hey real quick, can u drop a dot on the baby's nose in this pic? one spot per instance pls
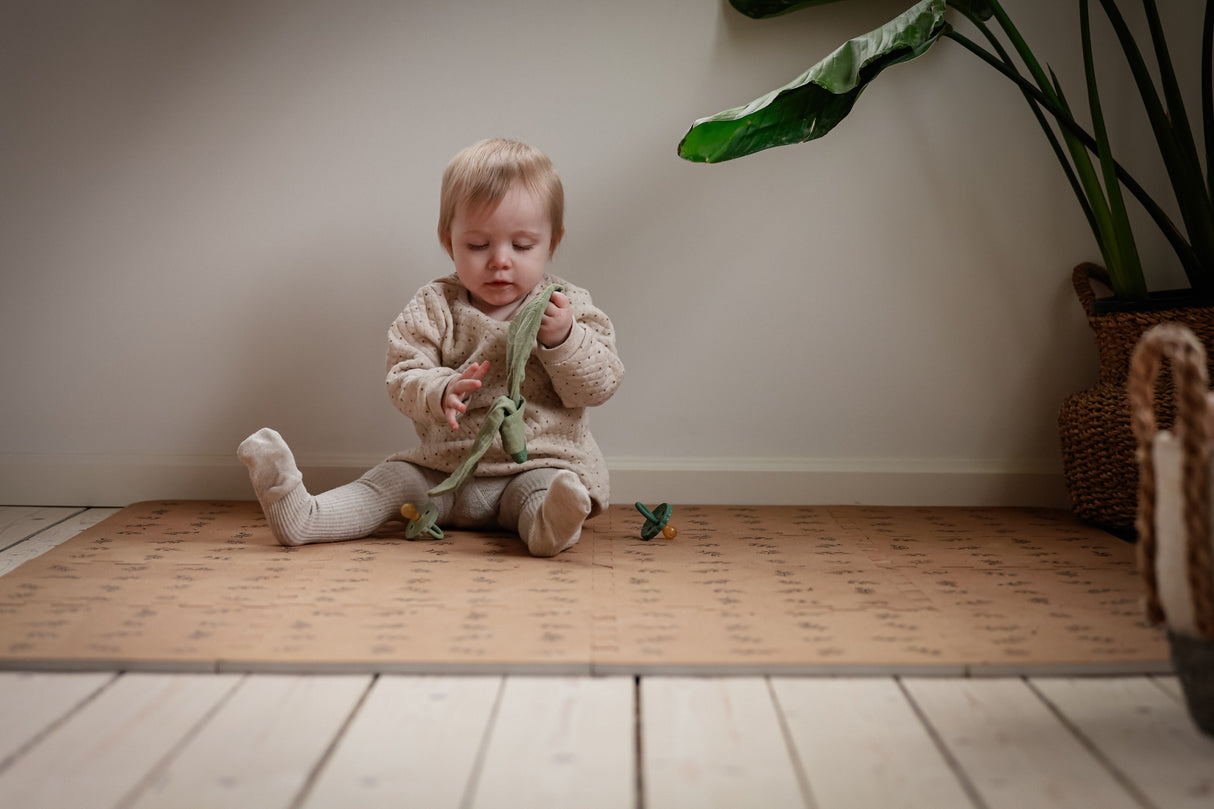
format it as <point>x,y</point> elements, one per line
<point>500,257</point>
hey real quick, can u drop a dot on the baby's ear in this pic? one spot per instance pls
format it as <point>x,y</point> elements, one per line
<point>556,240</point>
<point>445,240</point>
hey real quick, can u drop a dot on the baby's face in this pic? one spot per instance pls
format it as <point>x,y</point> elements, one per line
<point>500,254</point>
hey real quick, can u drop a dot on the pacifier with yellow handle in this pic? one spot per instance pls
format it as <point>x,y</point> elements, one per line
<point>421,522</point>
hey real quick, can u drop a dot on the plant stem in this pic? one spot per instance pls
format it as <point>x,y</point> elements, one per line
<point>1207,91</point>
<point>1185,175</point>
<point>1127,274</point>
<point>1171,88</point>
<point>1175,238</point>
<point>1104,228</point>
<point>1022,49</point>
<point>1080,195</point>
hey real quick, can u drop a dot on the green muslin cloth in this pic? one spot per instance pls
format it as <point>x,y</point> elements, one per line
<point>506,415</point>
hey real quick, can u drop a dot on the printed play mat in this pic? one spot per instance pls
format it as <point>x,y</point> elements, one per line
<point>197,585</point>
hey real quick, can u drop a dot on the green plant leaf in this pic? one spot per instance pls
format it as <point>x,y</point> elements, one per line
<point>813,103</point>
<point>762,9</point>
<point>973,8</point>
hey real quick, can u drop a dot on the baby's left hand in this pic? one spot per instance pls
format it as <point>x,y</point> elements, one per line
<point>556,322</point>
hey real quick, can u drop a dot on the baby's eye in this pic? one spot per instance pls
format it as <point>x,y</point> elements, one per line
<point>523,247</point>
<point>477,246</point>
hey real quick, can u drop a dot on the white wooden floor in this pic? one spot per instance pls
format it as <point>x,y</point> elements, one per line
<point>224,740</point>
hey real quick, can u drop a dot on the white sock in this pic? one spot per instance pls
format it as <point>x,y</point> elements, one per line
<point>554,524</point>
<point>272,468</point>
<point>277,482</point>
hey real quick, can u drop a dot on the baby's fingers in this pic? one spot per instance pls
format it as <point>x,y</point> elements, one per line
<point>463,388</point>
<point>452,408</point>
<point>477,371</point>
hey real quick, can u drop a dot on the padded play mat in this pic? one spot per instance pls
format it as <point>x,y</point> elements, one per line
<point>194,585</point>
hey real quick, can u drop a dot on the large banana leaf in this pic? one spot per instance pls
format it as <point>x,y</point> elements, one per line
<point>762,9</point>
<point>813,103</point>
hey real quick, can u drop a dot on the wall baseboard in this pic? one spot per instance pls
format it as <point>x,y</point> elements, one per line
<point>878,481</point>
<point>117,480</point>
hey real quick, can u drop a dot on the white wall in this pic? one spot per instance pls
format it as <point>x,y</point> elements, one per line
<point>213,210</point>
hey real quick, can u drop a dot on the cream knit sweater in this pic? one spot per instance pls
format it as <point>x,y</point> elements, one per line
<point>440,333</point>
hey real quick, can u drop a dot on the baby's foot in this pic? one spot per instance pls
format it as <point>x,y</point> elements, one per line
<point>272,468</point>
<point>558,523</point>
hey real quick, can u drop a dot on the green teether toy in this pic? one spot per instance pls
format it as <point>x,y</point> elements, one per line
<point>657,522</point>
<point>506,415</point>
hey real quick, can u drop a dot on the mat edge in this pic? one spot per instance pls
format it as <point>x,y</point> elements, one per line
<point>417,668</point>
<point>71,479</point>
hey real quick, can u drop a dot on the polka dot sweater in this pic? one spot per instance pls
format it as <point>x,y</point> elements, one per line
<point>440,333</point>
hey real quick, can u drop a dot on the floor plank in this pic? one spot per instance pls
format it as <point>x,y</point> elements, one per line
<point>48,535</point>
<point>559,742</point>
<point>31,703</point>
<point>11,514</point>
<point>102,751</point>
<point>1170,684</point>
<point>1143,732</point>
<point>413,743</point>
<point>1013,748</point>
<point>861,745</point>
<point>18,523</point>
<point>714,743</point>
<point>260,748</point>
<point>165,740</point>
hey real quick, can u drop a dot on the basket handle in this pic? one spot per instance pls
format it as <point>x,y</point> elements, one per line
<point>1191,381</point>
<point>1082,277</point>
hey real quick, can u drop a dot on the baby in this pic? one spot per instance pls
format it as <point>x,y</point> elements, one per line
<point>500,220</point>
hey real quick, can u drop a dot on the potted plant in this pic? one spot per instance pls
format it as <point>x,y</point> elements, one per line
<point>1097,443</point>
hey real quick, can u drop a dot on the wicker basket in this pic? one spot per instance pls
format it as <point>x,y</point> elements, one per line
<point>1094,424</point>
<point>1176,544</point>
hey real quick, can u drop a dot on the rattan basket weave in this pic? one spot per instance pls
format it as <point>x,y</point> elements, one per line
<point>1094,424</point>
<point>1180,591</point>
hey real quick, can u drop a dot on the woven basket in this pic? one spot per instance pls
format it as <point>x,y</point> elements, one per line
<point>1094,425</point>
<point>1175,541</point>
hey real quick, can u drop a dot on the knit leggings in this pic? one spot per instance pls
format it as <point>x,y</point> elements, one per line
<point>359,508</point>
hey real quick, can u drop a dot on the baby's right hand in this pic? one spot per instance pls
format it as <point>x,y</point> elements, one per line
<point>459,389</point>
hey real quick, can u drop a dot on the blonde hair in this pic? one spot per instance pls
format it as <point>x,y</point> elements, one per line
<point>481,174</point>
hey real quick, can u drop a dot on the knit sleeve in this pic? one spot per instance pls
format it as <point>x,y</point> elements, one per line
<point>585,369</point>
<point>417,377</point>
